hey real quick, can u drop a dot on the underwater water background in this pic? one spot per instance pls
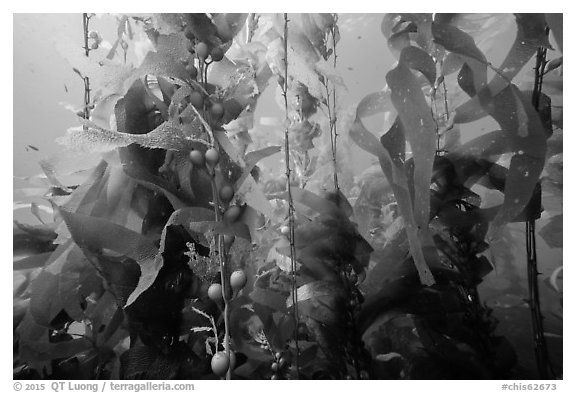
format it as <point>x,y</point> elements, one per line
<point>44,84</point>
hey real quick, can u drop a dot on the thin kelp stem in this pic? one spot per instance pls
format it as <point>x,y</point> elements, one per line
<point>331,104</point>
<point>219,239</point>
<point>290,201</point>
<point>540,347</point>
<point>86,22</point>
<point>333,118</point>
<point>224,273</point>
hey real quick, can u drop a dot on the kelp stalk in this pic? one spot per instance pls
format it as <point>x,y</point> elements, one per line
<point>332,110</point>
<point>86,22</point>
<point>290,200</point>
<point>540,347</point>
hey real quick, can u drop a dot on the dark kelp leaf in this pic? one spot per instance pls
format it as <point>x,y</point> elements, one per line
<point>469,111</point>
<point>25,244</point>
<point>229,148</point>
<point>552,232</point>
<point>403,24</point>
<point>489,144</point>
<point>311,265</point>
<point>121,275</point>
<point>137,361</point>
<point>395,142</point>
<point>531,34</point>
<point>253,157</point>
<point>234,229</point>
<point>367,141</point>
<point>35,348</point>
<point>452,62</point>
<point>62,285</point>
<point>301,45</point>
<point>229,24</point>
<point>183,168</point>
<point>417,59</point>
<point>317,289</point>
<point>524,131</point>
<point>328,248</point>
<point>374,103</point>
<point>424,36</point>
<point>419,127</point>
<point>238,229</point>
<point>45,302</point>
<point>487,29</point>
<point>269,298</point>
<point>158,184</point>
<point>283,331</point>
<point>524,135</point>
<point>83,198</point>
<point>254,221</point>
<point>315,203</point>
<point>247,326</point>
<point>163,62</point>
<point>77,280</point>
<point>322,301</point>
<point>398,42</point>
<point>523,176</point>
<point>456,218</point>
<point>118,197</point>
<point>389,22</point>
<point>341,201</point>
<point>315,34</point>
<point>31,262</point>
<point>97,234</point>
<point>105,314</point>
<point>251,193</point>
<point>391,264</point>
<point>183,217</point>
<point>308,233</point>
<point>166,88</point>
<point>456,41</point>
<point>466,80</point>
<point>169,135</point>
<point>396,176</point>
<point>202,27</point>
<point>473,76</point>
<point>527,136</point>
